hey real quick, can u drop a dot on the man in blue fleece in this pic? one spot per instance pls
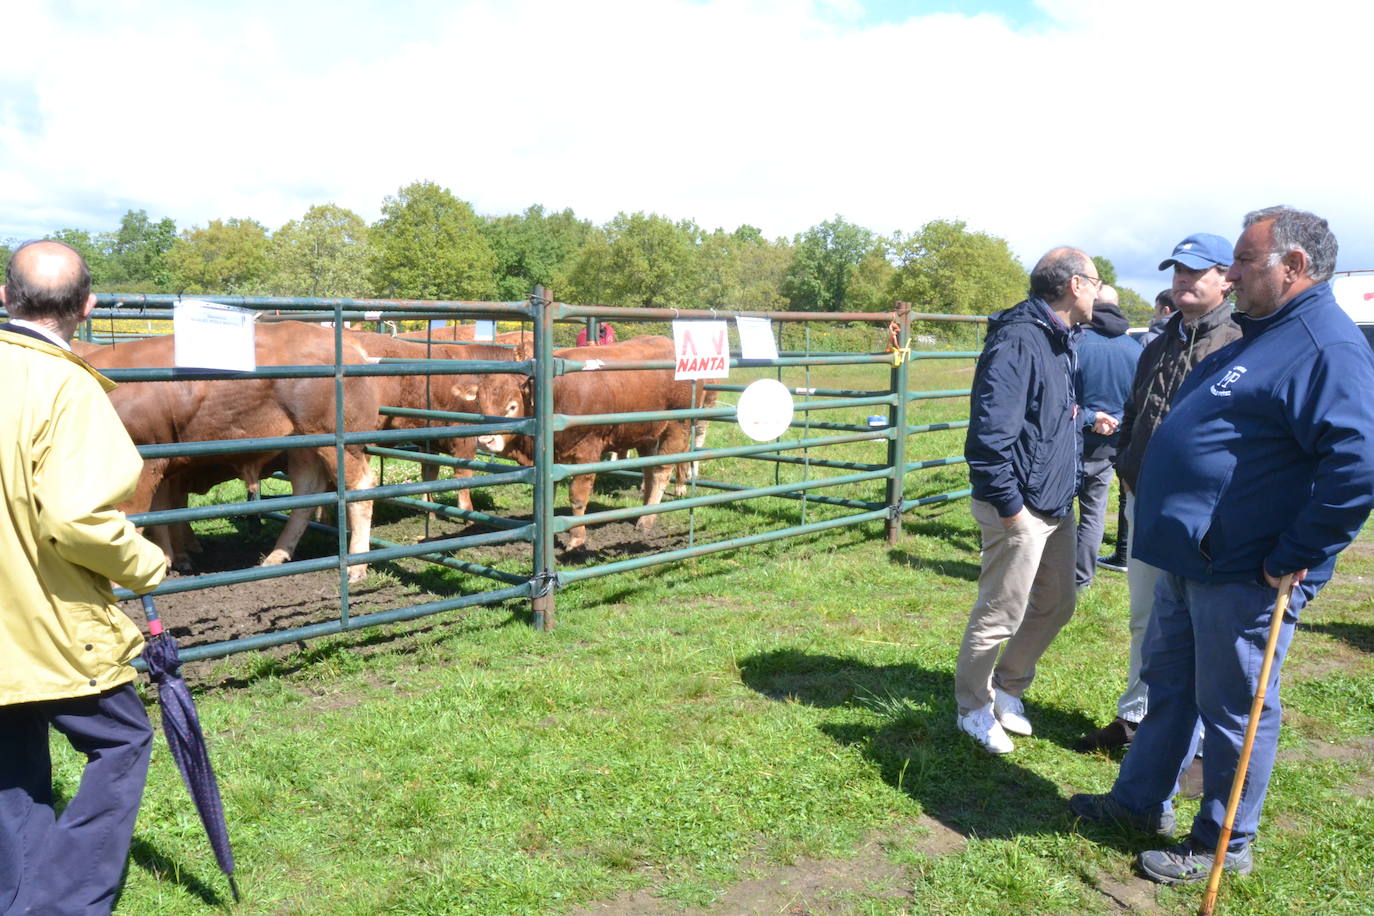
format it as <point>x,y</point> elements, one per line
<point>1106,364</point>
<point>1023,449</point>
<point>1264,467</point>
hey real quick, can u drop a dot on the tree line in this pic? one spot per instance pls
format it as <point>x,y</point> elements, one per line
<point>430,244</point>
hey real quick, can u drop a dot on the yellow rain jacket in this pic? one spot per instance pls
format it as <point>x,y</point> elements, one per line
<point>65,461</point>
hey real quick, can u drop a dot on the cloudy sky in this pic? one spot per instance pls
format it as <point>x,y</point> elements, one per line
<point>1116,127</point>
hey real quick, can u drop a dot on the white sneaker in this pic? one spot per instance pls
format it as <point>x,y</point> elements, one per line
<point>981,726</point>
<point>1011,712</point>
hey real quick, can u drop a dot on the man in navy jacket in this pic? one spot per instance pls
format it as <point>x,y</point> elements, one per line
<point>1023,450</point>
<point>1263,468</point>
<point>1106,364</point>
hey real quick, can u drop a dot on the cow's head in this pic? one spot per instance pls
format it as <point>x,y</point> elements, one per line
<point>508,397</point>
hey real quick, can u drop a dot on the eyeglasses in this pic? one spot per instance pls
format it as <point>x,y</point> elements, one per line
<point>1095,281</point>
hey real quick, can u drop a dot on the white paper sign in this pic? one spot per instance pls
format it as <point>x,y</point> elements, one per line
<point>765,409</point>
<point>756,338</point>
<point>1355,294</point>
<point>486,330</point>
<point>702,349</point>
<point>213,336</point>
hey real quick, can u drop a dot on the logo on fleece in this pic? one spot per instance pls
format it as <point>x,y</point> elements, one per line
<point>1222,388</point>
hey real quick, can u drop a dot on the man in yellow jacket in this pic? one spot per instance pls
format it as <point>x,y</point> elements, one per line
<point>65,645</point>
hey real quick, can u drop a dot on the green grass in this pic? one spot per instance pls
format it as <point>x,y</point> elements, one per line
<point>689,727</point>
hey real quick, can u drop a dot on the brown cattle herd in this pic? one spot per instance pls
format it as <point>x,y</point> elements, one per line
<point>199,409</point>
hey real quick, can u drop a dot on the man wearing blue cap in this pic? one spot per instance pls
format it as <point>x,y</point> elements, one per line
<point>1261,474</point>
<point>1201,324</point>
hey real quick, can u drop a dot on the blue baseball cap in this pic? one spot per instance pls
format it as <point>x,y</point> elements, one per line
<point>1199,251</point>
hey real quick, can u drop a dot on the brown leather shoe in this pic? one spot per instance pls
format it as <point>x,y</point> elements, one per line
<point>1190,783</point>
<point>1115,734</point>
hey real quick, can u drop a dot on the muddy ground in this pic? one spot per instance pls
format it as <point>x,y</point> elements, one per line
<point>222,613</point>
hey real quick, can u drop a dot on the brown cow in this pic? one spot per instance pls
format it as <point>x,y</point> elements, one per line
<point>199,410</point>
<point>602,391</point>
<point>444,392</point>
<point>522,340</point>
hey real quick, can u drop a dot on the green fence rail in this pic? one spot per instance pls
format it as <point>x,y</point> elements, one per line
<point>544,577</point>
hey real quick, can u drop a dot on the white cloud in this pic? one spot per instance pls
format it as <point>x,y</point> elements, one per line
<point>1120,128</point>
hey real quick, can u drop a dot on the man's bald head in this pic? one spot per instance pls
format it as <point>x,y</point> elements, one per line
<point>1050,277</point>
<point>46,281</point>
<point>1107,294</point>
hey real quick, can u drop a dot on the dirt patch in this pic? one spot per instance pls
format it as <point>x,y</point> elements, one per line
<point>1136,895</point>
<point>809,886</point>
<point>245,609</point>
<point>939,840</point>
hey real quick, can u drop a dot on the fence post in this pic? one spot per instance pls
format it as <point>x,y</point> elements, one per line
<point>545,576</point>
<point>897,423</point>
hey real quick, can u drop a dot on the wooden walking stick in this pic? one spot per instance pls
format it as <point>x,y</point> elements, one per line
<point>1219,854</point>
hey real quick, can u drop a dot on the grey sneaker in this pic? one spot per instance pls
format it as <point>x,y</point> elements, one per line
<point>1104,809</point>
<point>1189,862</point>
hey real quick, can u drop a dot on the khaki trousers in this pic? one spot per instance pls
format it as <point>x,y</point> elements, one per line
<point>1025,596</point>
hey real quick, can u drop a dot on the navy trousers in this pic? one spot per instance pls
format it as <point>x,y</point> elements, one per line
<point>1204,648</point>
<point>70,864</point>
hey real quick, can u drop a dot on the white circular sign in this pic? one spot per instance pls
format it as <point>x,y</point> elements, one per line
<point>765,409</point>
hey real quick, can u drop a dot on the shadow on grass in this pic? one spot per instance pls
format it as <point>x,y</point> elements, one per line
<point>1356,635</point>
<point>958,569</point>
<point>919,750</point>
<point>403,638</point>
<point>161,866</point>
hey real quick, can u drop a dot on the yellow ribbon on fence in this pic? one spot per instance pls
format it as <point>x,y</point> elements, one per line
<point>900,353</point>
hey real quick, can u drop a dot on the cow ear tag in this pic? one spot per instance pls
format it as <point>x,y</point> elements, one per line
<point>765,410</point>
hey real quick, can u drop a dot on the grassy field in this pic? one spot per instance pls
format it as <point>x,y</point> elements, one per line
<point>768,730</point>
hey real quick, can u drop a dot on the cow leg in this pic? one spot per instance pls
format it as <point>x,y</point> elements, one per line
<point>465,448</point>
<point>683,473</point>
<point>673,442</point>
<point>180,540</point>
<point>464,496</point>
<point>252,486</point>
<point>655,482</point>
<point>163,535</point>
<point>579,494</point>
<point>430,473</point>
<point>307,476</point>
<point>146,495</point>
<point>359,476</point>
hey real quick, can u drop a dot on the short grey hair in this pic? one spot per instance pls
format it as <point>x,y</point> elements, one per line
<point>1298,230</point>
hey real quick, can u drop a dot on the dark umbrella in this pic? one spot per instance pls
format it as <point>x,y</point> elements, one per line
<point>181,725</point>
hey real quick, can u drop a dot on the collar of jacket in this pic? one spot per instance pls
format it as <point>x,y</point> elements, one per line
<point>1037,311</point>
<point>1250,328</point>
<point>42,346</point>
<point>1204,325</point>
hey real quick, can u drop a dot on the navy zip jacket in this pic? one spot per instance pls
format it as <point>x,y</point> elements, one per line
<point>1106,365</point>
<point>1024,446</point>
<point>1266,459</point>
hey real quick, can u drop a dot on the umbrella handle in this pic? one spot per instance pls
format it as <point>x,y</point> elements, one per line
<point>154,622</point>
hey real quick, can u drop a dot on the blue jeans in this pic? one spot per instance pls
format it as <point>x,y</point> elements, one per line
<point>1093,492</point>
<point>1203,651</point>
